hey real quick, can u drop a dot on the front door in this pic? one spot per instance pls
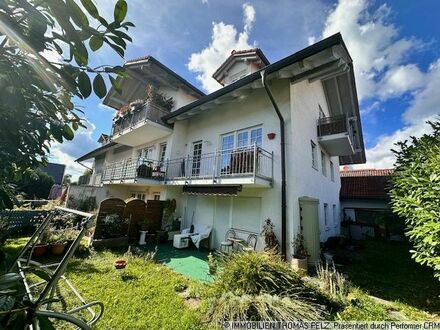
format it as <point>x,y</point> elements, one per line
<point>310,227</point>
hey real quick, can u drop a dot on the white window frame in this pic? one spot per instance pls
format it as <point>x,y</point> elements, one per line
<point>236,133</point>
<point>139,195</point>
<point>332,171</point>
<point>323,163</point>
<point>156,196</point>
<point>142,151</point>
<point>314,150</point>
<point>162,152</point>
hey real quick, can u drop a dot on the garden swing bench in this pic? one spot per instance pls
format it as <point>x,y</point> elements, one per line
<point>43,293</point>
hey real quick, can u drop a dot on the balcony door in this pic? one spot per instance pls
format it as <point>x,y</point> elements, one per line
<point>196,158</point>
<point>146,153</point>
<point>238,141</point>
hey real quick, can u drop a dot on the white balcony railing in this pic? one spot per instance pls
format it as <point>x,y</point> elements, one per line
<point>243,162</point>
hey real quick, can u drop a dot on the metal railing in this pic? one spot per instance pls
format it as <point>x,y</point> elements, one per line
<point>148,112</point>
<point>133,168</point>
<point>251,161</point>
<point>332,125</point>
<point>239,162</point>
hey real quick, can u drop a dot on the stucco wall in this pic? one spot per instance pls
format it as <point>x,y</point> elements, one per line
<point>303,179</point>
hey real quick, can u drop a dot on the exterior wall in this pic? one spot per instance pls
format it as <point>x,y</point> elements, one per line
<point>302,178</point>
<point>348,206</point>
<point>78,193</point>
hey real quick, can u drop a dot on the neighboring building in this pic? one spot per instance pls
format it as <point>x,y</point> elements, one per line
<point>56,171</point>
<point>364,198</point>
<point>220,155</point>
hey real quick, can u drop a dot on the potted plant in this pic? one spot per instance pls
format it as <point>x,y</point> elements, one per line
<point>57,243</point>
<point>41,248</point>
<point>300,254</point>
<point>270,239</point>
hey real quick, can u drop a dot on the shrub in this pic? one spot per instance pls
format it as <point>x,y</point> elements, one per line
<point>260,286</point>
<point>415,195</point>
<point>262,307</point>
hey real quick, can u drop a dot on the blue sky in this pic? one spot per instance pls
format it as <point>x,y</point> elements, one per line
<point>394,45</point>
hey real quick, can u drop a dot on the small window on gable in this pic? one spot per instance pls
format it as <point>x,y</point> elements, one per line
<point>323,164</point>
<point>314,155</point>
<point>332,171</point>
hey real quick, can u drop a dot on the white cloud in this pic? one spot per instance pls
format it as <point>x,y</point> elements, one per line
<point>68,151</point>
<point>372,41</point>
<point>400,80</point>
<point>380,56</point>
<point>224,40</point>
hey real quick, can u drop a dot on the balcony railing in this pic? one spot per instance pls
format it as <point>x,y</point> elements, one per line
<point>148,112</point>
<point>246,162</point>
<point>332,125</point>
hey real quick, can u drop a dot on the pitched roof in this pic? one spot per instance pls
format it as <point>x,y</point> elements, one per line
<point>365,184</point>
<point>238,53</point>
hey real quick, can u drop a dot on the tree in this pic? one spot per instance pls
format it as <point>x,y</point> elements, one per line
<point>36,105</point>
<point>35,184</point>
<point>415,195</point>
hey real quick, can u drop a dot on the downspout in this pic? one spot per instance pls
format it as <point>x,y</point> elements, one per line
<point>283,167</point>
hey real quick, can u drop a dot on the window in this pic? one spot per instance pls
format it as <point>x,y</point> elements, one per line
<point>326,214</point>
<point>197,157</point>
<point>156,196</point>
<point>332,171</point>
<point>138,195</point>
<point>146,153</point>
<point>334,215</point>
<point>314,156</point>
<point>323,164</point>
<point>162,151</point>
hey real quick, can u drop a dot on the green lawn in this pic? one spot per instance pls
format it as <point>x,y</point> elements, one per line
<point>143,296</point>
<point>385,270</point>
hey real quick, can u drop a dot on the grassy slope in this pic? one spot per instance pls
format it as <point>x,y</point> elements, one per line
<point>386,270</point>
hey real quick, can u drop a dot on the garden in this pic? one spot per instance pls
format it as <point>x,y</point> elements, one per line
<point>245,285</point>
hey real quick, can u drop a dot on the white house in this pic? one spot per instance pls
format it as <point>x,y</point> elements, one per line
<point>268,144</point>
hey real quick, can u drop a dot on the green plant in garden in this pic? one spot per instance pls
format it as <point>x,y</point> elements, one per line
<point>45,48</point>
<point>415,194</point>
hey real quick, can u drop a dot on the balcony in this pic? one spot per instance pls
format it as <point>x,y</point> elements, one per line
<point>142,124</point>
<point>249,165</point>
<point>335,134</point>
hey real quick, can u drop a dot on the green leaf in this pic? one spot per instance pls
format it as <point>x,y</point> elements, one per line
<point>91,8</point>
<point>84,85</point>
<point>99,86</point>
<point>67,132</point>
<point>116,85</point>
<point>120,10</point>
<point>77,14</point>
<point>80,53</point>
<point>95,43</point>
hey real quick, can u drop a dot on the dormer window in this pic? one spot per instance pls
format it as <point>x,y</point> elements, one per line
<point>240,64</point>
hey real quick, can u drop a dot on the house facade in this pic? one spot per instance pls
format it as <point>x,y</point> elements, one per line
<point>268,144</point>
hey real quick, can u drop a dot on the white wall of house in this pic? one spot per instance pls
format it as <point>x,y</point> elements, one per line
<point>303,178</point>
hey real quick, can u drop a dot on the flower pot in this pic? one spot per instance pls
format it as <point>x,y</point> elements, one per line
<point>57,249</point>
<point>120,264</point>
<point>299,264</point>
<point>39,250</point>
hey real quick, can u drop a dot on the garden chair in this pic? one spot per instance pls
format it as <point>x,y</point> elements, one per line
<point>227,245</point>
<point>42,282</point>
<point>251,243</point>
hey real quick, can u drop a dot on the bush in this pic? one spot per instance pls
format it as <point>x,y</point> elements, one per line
<point>262,307</point>
<point>415,195</point>
<point>260,286</point>
<point>332,282</point>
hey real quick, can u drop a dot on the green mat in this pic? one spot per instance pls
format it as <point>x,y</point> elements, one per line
<point>189,262</point>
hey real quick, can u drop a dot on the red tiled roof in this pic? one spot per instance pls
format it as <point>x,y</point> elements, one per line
<point>365,184</point>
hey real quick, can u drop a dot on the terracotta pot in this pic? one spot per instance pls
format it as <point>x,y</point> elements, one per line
<point>120,264</point>
<point>271,136</point>
<point>299,264</point>
<point>57,249</point>
<point>39,250</point>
